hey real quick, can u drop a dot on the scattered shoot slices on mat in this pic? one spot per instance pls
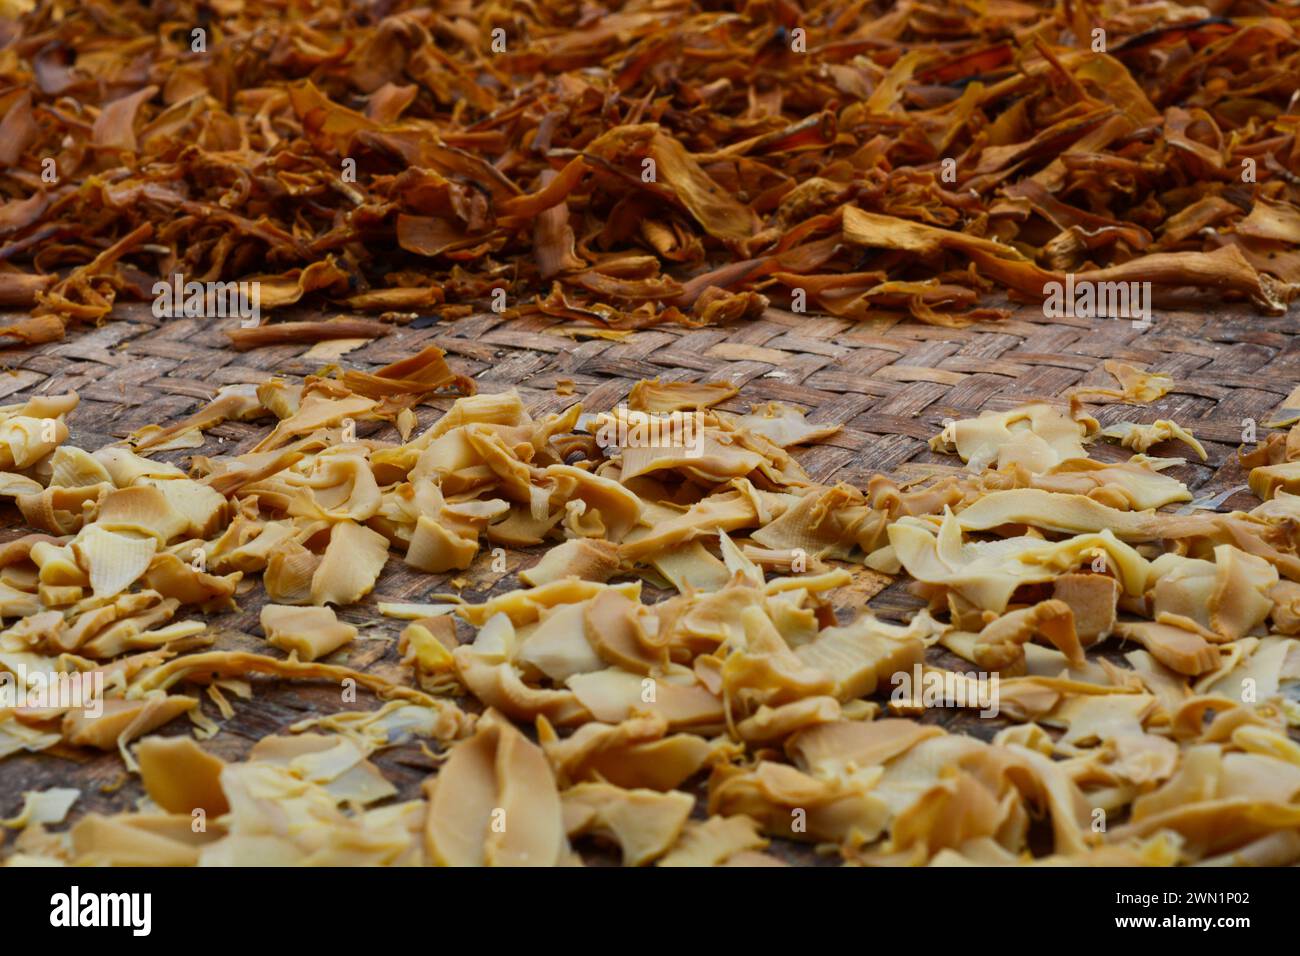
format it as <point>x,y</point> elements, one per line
<point>802,720</point>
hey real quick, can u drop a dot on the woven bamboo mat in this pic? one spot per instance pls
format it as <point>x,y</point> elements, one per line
<point>889,385</point>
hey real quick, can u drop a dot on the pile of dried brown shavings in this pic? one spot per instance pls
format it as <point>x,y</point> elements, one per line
<point>650,161</point>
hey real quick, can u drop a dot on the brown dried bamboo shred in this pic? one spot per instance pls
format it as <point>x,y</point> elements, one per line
<point>431,164</point>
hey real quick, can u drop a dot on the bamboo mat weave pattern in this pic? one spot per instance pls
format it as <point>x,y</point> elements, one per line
<point>890,386</point>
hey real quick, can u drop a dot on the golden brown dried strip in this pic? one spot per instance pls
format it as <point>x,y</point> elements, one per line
<point>289,333</point>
